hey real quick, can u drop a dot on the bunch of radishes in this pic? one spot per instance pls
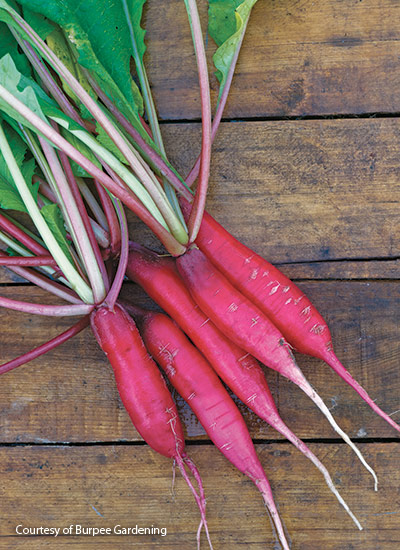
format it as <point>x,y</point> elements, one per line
<point>74,148</point>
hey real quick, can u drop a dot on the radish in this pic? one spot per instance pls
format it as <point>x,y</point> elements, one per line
<point>143,391</point>
<point>278,297</point>
<point>53,131</point>
<point>239,370</point>
<point>197,383</point>
<point>248,327</point>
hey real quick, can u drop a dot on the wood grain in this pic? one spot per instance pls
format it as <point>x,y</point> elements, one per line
<point>300,191</point>
<point>303,191</point>
<point>319,197</point>
<point>102,486</point>
<point>298,58</point>
<point>69,395</point>
<point>361,269</point>
<point>322,269</point>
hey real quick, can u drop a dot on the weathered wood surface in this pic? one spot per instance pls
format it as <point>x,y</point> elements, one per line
<point>323,269</point>
<point>359,269</point>
<point>69,395</point>
<point>298,58</point>
<point>324,198</point>
<point>104,486</point>
<point>301,191</point>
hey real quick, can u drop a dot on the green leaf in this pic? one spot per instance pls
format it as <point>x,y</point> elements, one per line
<point>135,9</point>
<point>9,45</point>
<point>10,78</point>
<point>222,19</point>
<point>39,23</point>
<point>227,23</point>
<point>28,169</point>
<point>19,84</point>
<point>59,45</point>
<point>26,81</point>
<point>7,10</point>
<point>53,216</point>
<point>9,196</point>
<point>99,33</point>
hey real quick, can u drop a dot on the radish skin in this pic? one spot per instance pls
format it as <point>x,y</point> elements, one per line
<point>248,327</point>
<point>197,383</point>
<point>143,390</point>
<point>239,370</point>
<point>277,297</point>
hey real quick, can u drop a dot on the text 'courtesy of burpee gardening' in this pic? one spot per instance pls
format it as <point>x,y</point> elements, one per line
<point>81,530</point>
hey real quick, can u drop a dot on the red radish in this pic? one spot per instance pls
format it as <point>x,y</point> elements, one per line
<point>278,297</point>
<point>143,390</point>
<point>240,371</point>
<point>197,383</point>
<point>248,327</point>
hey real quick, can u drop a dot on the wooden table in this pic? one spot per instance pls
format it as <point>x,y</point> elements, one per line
<point>305,170</point>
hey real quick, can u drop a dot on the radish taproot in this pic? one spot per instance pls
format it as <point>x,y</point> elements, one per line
<point>249,328</point>
<point>277,297</point>
<point>195,380</point>
<point>240,371</point>
<point>143,391</point>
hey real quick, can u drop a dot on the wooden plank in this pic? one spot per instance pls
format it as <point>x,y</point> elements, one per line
<point>104,486</point>
<point>7,276</point>
<point>69,395</point>
<point>357,314</point>
<point>325,270</point>
<point>300,191</point>
<point>298,58</point>
<point>373,269</point>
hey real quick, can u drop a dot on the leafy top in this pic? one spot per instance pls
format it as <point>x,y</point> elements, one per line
<point>227,24</point>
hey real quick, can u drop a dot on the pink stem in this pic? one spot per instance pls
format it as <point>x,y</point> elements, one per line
<point>154,157</point>
<point>112,218</point>
<point>111,130</point>
<point>123,259</point>
<point>160,232</point>
<point>93,205</point>
<point>171,244</point>
<point>65,186</point>
<point>145,126</point>
<point>44,348</point>
<point>194,172</point>
<point>45,189</point>
<point>44,309</point>
<point>28,261</point>
<point>84,215</point>
<point>51,86</point>
<point>45,283</point>
<point>101,235</point>
<point>199,203</point>
<point>22,237</point>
